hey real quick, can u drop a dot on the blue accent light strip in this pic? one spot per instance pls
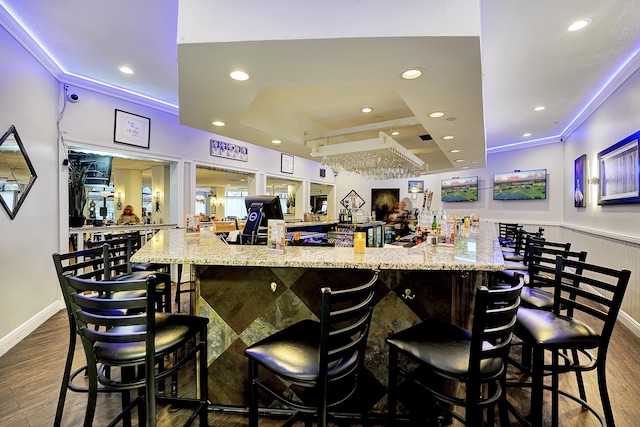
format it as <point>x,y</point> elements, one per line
<point>605,86</point>
<point>585,111</point>
<point>547,139</point>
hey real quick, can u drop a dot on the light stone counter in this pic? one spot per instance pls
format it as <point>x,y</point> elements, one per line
<point>480,252</point>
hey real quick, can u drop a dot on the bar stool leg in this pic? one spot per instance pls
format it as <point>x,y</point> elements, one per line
<point>178,286</point>
<point>392,386</point>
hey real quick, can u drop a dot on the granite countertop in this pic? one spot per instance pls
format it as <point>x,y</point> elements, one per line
<point>480,251</point>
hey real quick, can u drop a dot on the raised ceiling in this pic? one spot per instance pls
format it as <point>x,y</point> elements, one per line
<point>527,57</point>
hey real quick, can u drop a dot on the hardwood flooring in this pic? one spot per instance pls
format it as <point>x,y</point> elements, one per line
<point>30,375</point>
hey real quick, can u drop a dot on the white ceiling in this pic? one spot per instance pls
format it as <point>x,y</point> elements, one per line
<point>527,59</point>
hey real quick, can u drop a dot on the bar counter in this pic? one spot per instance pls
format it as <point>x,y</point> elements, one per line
<point>249,293</point>
<point>479,252</point>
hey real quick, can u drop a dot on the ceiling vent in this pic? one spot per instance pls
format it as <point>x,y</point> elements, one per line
<point>426,137</point>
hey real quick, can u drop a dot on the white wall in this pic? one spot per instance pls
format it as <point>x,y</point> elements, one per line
<point>612,122</point>
<point>89,124</point>
<point>547,211</point>
<point>28,285</point>
<point>611,233</point>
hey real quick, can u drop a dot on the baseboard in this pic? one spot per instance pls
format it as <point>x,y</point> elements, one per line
<point>14,337</point>
<point>630,323</point>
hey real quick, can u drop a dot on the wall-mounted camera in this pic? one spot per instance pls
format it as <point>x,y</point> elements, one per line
<point>73,97</point>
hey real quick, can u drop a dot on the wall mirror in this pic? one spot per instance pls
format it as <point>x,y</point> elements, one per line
<point>16,172</point>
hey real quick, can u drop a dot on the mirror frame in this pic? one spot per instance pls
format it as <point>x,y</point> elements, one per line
<point>34,176</point>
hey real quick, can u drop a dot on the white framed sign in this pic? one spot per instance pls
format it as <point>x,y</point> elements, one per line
<point>286,163</point>
<point>131,129</point>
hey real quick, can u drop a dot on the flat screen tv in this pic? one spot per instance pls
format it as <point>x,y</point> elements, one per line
<point>520,185</point>
<point>460,189</point>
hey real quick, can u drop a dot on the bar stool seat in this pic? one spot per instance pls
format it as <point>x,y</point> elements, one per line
<point>446,354</point>
<point>323,359</point>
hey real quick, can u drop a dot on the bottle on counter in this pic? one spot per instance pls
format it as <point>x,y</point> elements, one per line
<point>434,224</point>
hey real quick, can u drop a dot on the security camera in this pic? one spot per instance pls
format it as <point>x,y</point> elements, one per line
<point>73,97</point>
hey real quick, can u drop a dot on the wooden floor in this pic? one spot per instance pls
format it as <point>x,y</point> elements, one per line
<point>30,375</point>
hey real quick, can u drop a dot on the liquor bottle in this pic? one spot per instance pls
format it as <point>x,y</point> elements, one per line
<point>434,224</point>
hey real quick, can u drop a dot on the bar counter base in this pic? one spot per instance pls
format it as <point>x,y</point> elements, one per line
<point>246,304</point>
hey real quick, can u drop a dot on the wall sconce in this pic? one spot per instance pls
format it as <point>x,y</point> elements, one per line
<point>220,201</point>
<point>157,201</point>
<point>119,206</point>
<point>594,180</point>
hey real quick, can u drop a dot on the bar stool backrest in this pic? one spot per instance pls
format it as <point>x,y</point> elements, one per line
<point>594,291</point>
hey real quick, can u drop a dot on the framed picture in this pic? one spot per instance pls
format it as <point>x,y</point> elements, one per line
<point>352,201</point>
<point>228,151</point>
<point>416,186</point>
<point>383,200</point>
<point>286,163</point>
<point>579,193</point>
<point>618,171</point>
<point>132,129</point>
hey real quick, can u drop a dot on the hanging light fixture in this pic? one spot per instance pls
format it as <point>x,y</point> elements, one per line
<point>379,158</point>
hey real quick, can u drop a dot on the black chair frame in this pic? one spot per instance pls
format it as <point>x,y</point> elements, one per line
<point>135,342</point>
<point>596,292</point>
<point>339,340</point>
<point>97,263</point>
<point>483,367</point>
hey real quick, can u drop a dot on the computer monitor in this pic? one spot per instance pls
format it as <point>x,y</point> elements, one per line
<point>260,209</point>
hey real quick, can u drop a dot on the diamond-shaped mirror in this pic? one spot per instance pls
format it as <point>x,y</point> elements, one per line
<point>16,172</point>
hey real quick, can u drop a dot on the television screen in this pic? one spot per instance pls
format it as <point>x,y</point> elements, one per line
<point>520,185</point>
<point>460,189</point>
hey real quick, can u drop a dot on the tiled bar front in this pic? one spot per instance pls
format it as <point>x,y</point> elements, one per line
<point>249,293</point>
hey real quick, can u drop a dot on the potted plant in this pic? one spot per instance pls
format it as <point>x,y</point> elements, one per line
<point>77,193</point>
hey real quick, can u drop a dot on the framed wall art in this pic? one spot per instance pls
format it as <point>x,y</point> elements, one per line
<point>352,200</point>
<point>579,193</point>
<point>132,129</point>
<point>619,173</point>
<point>416,186</point>
<point>383,200</point>
<point>286,163</point>
<point>228,150</point>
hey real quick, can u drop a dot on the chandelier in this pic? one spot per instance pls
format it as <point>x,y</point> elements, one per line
<point>378,158</point>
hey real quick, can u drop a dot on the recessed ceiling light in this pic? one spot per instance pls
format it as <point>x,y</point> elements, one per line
<point>448,137</point>
<point>578,25</point>
<point>239,75</point>
<point>436,114</point>
<point>217,123</point>
<point>526,134</point>
<point>412,73</point>
<point>465,167</point>
<point>276,141</point>
<point>126,70</point>
<point>366,109</point>
<point>395,132</point>
<point>539,108</point>
<point>454,151</point>
<point>474,162</point>
<point>459,160</point>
